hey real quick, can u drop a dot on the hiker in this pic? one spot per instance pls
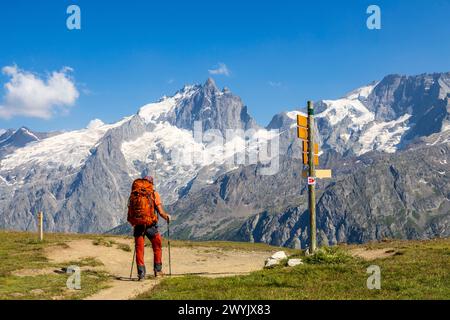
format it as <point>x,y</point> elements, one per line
<point>143,206</point>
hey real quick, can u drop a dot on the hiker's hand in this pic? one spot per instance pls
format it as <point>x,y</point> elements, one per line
<point>168,218</point>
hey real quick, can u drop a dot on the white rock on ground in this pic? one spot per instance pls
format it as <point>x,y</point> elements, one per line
<point>271,262</point>
<point>280,255</point>
<point>275,259</point>
<point>294,262</point>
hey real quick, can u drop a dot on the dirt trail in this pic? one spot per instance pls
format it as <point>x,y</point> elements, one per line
<point>204,261</point>
<point>372,254</point>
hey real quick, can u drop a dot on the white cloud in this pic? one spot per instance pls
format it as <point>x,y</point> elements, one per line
<point>221,69</point>
<point>29,95</point>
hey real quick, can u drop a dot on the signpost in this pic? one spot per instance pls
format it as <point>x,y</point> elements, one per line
<point>323,174</point>
<point>320,174</point>
<point>306,159</point>
<point>311,187</point>
<point>41,225</point>
<point>302,133</point>
<point>310,156</point>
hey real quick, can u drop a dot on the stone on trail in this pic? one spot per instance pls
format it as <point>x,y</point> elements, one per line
<point>275,259</point>
<point>280,255</point>
<point>271,262</point>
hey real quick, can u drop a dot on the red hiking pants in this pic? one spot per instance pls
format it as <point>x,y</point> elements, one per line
<point>155,238</point>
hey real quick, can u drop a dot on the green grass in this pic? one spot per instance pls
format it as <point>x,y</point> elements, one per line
<point>124,247</point>
<point>20,250</point>
<point>86,262</point>
<point>52,286</point>
<point>329,255</point>
<point>103,242</point>
<point>108,242</point>
<point>418,270</point>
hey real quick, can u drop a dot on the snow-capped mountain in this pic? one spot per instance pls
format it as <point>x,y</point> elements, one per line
<point>179,145</point>
<point>386,115</point>
<point>81,179</point>
<point>17,138</point>
<point>11,140</point>
<point>347,125</point>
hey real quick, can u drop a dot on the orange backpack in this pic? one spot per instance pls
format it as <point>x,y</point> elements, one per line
<point>141,204</point>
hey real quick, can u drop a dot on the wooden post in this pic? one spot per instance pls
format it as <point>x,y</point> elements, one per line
<point>41,225</point>
<point>311,173</point>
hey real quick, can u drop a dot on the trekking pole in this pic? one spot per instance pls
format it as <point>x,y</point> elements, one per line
<point>132,262</point>
<point>168,244</point>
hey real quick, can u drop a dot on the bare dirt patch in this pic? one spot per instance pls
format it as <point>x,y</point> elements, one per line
<point>203,261</point>
<point>372,254</point>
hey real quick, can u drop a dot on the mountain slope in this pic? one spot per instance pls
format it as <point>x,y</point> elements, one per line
<point>402,195</point>
<point>386,115</point>
<point>11,140</point>
<point>81,179</point>
<point>204,150</point>
<point>374,196</point>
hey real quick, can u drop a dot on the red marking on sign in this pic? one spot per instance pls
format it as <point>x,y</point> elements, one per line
<point>311,181</point>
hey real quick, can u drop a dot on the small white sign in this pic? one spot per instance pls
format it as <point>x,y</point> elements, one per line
<point>311,181</point>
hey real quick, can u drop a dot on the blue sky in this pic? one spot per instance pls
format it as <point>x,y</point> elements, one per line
<point>279,53</point>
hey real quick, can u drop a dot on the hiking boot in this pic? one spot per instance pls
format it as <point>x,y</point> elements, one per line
<point>159,274</point>
<point>157,269</point>
<point>141,272</point>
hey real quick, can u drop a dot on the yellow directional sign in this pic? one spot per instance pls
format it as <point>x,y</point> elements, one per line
<point>320,174</point>
<point>323,174</point>
<point>305,147</point>
<point>302,121</point>
<point>302,133</point>
<point>305,159</point>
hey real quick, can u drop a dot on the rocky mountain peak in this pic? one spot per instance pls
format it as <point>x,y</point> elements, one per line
<point>216,109</point>
<point>21,137</point>
<point>210,84</point>
<point>5,134</point>
<point>397,95</point>
<point>14,139</point>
